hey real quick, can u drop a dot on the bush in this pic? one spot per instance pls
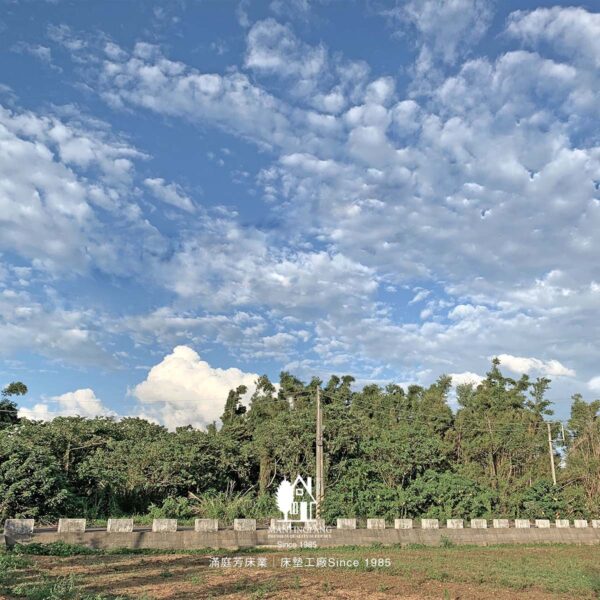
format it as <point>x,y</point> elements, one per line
<point>545,500</point>
<point>172,508</point>
<point>447,495</point>
<point>433,495</point>
<point>229,506</point>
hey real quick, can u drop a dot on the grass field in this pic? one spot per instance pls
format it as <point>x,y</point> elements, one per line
<point>60,572</point>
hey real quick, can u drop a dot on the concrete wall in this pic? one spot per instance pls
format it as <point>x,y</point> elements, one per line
<point>231,539</point>
<point>165,534</point>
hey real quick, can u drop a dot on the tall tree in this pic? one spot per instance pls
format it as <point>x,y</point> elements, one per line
<point>8,408</point>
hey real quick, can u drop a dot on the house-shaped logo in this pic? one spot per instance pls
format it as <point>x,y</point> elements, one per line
<point>296,500</point>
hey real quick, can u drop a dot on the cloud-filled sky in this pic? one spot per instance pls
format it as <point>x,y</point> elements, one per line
<point>193,193</point>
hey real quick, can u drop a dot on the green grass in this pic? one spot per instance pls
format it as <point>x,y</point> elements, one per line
<point>59,548</point>
<point>554,569</point>
<point>14,567</point>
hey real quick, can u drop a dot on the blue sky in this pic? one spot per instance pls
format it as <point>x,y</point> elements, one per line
<point>193,193</point>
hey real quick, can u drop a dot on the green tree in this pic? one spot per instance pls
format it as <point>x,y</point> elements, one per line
<point>583,450</point>
<point>8,407</point>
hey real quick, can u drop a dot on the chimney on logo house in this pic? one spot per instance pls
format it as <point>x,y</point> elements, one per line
<point>309,484</point>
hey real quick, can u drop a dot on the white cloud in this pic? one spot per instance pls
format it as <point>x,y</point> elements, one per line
<point>82,403</point>
<point>291,8</point>
<point>35,323</point>
<point>42,53</point>
<point>521,364</point>
<point>445,32</point>
<point>466,377</point>
<point>573,31</point>
<point>225,265</point>
<point>420,296</point>
<point>171,193</point>
<point>184,389</point>
<point>149,80</point>
<point>490,143</point>
<point>51,209</point>
<point>594,384</point>
<point>447,27</point>
<point>486,186</point>
<point>273,48</point>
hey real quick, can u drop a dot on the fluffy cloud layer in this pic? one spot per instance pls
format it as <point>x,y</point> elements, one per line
<point>476,187</point>
<point>184,389</point>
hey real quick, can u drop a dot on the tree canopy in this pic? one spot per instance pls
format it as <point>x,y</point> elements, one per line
<point>389,452</point>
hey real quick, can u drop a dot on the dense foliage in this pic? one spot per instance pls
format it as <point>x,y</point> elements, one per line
<point>389,452</point>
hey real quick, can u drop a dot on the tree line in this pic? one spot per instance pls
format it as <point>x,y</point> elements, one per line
<point>389,452</point>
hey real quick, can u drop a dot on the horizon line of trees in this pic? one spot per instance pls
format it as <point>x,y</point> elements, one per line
<point>389,452</point>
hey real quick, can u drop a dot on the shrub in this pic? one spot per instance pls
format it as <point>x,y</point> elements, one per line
<point>172,508</point>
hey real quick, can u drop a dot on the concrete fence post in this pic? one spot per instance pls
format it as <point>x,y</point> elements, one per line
<point>164,525</point>
<point>206,525</point>
<point>281,525</point>
<point>119,526</point>
<point>500,524</point>
<point>346,523</point>
<point>403,523</point>
<point>580,523</point>
<point>542,523</point>
<point>18,527</point>
<point>454,523</point>
<point>375,523</point>
<point>596,523</point>
<point>479,524</point>
<point>244,524</point>
<point>522,523</point>
<point>562,523</point>
<point>430,524</point>
<point>71,525</point>
<point>315,526</point>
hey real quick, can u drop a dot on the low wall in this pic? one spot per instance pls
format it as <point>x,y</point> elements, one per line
<point>230,539</point>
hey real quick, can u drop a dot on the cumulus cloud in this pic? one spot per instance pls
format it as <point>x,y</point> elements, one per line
<point>34,323</point>
<point>273,48</point>
<point>594,384</point>
<point>521,364</point>
<point>171,193</point>
<point>573,31</point>
<point>447,28</point>
<point>224,264</point>
<point>420,296</point>
<point>183,389</point>
<point>465,378</point>
<point>444,32</point>
<point>42,53</point>
<point>483,187</point>
<point>49,204</point>
<point>413,190</point>
<point>82,403</point>
<point>148,79</point>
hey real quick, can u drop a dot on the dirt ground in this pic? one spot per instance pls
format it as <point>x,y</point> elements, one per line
<point>432,573</point>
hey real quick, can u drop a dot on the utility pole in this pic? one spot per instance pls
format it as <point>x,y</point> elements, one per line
<point>319,489</point>
<point>551,454</point>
